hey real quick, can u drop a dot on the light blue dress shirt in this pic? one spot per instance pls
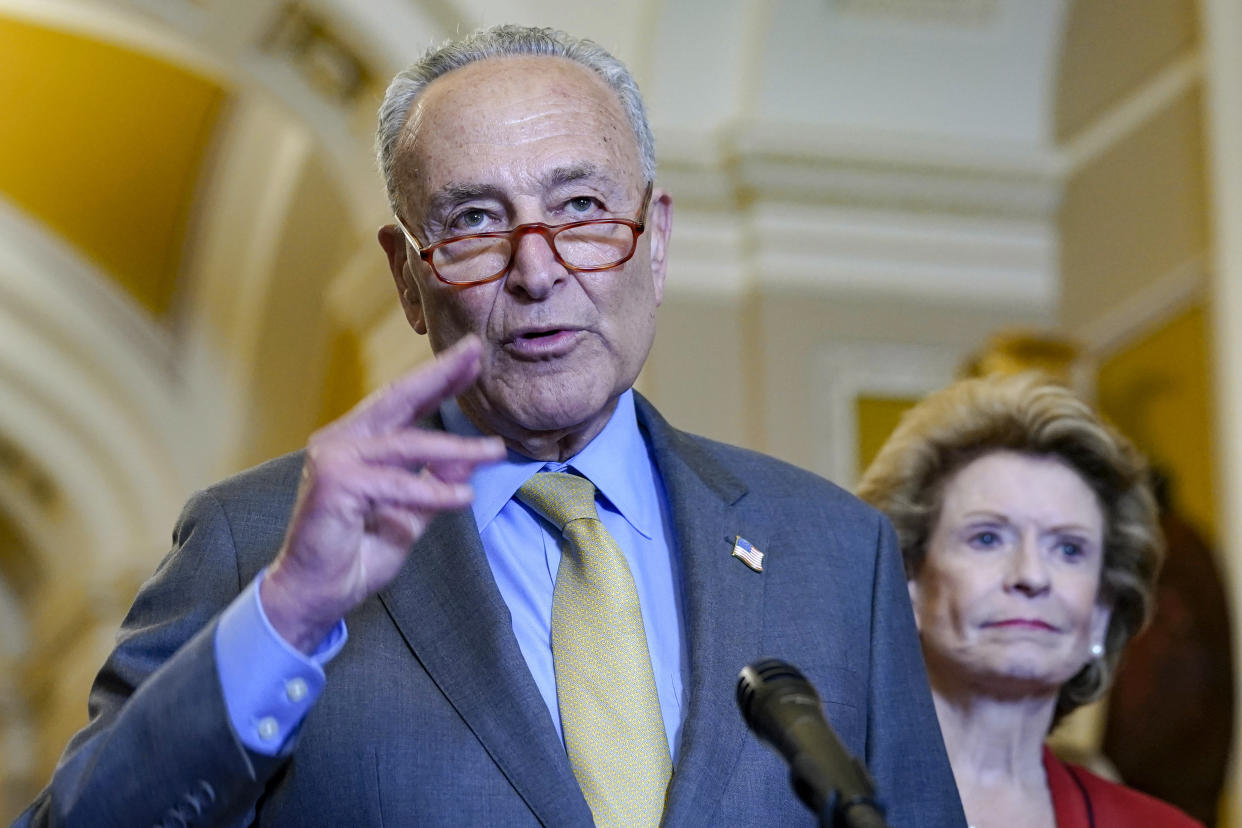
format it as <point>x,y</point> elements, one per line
<point>269,686</point>
<point>524,549</point>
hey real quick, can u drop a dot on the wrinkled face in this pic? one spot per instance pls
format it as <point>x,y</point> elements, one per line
<point>507,141</point>
<point>1005,600</point>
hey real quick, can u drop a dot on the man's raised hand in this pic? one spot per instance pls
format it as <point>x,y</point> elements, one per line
<point>371,483</point>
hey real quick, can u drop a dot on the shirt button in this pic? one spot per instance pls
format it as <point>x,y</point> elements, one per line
<point>296,689</point>
<point>268,729</point>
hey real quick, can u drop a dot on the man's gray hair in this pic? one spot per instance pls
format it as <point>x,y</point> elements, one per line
<point>504,41</point>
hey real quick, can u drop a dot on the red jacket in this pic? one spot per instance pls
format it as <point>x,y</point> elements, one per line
<point>1080,799</point>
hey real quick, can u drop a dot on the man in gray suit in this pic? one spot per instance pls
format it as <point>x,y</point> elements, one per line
<point>530,246</point>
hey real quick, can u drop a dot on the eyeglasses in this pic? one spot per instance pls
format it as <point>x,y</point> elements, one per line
<point>594,244</point>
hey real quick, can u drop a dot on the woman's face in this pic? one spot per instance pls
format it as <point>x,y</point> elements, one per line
<point>1005,600</point>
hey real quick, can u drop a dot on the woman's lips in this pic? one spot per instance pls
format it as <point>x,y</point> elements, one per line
<point>1022,624</point>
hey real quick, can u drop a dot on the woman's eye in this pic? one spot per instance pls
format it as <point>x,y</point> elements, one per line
<point>1071,549</point>
<point>985,539</point>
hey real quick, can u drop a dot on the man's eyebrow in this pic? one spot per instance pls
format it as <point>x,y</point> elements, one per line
<point>455,193</point>
<point>560,176</point>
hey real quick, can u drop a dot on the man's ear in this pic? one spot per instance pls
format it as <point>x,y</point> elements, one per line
<point>659,228</point>
<point>393,241</point>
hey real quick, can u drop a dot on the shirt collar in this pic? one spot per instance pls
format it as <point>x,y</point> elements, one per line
<point>608,461</point>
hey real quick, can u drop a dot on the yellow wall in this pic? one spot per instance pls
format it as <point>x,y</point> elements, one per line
<point>877,417</point>
<point>104,145</point>
<point>345,380</point>
<point>1156,391</point>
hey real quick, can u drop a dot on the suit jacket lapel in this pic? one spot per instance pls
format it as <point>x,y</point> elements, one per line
<point>448,609</point>
<point>723,603</point>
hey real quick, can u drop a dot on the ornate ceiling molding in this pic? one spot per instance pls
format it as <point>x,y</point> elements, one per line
<point>90,391</point>
<point>845,213</point>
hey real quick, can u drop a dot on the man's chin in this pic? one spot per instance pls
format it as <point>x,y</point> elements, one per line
<point>552,419</point>
<point>545,412</point>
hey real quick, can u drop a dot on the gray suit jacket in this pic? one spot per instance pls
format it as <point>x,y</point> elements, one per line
<point>430,715</point>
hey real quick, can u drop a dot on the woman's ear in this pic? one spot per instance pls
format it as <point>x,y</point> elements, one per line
<point>1101,614</point>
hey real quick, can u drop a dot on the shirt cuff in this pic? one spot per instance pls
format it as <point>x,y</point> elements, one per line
<point>269,686</point>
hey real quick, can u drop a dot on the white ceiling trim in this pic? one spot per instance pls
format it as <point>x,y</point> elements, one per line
<point>1129,114</point>
<point>1145,310</point>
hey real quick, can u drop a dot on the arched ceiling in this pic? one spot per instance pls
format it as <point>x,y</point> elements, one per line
<point>106,146</point>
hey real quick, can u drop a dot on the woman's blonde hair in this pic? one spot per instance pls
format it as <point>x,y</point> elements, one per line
<point>1028,414</point>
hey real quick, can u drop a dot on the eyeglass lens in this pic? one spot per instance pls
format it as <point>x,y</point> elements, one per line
<point>594,246</point>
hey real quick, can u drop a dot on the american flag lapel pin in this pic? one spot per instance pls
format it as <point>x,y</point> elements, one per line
<point>746,552</point>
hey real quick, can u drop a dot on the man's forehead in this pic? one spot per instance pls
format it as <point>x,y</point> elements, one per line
<point>509,72</point>
<point>510,109</point>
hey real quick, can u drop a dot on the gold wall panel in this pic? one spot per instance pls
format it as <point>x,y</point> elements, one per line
<point>876,418</point>
<point>1157,391</point>
<point>104,146</point>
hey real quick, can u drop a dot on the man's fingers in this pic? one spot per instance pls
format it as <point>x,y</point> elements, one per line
<point>419,392</point>
<point>398,527</point>
<point>412,467</point>
<point>364,486</point>
<point>415,447</point>
<point>452,471</point>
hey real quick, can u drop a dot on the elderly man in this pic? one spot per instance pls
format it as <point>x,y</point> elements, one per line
<point>549,591</point>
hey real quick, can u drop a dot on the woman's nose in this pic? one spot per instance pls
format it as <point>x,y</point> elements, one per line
<point>1028,570</point>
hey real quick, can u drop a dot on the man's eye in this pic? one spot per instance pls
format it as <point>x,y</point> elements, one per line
<point>582,204</point>
<point>470,220</point>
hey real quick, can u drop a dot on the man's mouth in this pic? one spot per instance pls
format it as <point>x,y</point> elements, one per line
<point>542,343</point>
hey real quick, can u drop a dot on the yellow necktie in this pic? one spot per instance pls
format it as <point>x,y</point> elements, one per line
<point>610,712</point>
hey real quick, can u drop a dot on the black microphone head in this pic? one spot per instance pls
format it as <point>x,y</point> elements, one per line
<point>783,709</point>
<point>756,679</point>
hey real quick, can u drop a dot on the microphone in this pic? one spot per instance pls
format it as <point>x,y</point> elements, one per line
<point>783,709</point>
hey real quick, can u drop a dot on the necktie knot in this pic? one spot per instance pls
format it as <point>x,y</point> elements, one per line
<point>559,497</point>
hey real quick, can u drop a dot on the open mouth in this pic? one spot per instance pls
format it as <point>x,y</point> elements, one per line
<point>540,334</point>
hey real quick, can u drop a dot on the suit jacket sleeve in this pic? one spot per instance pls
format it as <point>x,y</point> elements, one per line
<point>905,750</point>
<point>159,748</point>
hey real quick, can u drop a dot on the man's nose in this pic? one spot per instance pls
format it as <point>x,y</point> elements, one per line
<point>535,269</point>
<point>1028,568</point>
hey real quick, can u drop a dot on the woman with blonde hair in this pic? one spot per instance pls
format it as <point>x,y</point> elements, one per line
<point>1031,549</point>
